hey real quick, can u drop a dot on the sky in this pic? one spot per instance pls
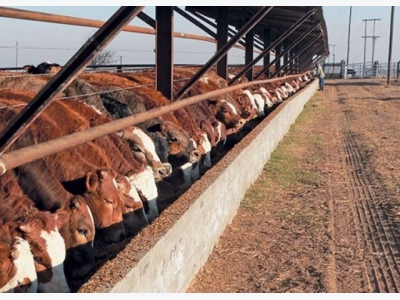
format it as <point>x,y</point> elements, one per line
<point>29,42</point>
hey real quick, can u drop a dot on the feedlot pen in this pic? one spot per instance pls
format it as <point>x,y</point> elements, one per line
<point>167,254</point>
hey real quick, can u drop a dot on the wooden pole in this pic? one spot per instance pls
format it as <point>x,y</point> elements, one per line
<point>348,40</point>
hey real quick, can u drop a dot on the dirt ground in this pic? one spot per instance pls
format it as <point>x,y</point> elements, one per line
<point>324,215</point>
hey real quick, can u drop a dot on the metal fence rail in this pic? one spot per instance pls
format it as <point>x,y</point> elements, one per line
<point>361,70</point>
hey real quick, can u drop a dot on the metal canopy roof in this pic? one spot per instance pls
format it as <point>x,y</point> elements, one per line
<point>278,20</point>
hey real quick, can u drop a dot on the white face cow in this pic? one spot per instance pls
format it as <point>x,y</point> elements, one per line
<point>25,278</point>
<point>56,251</point>
<point>144,150</point>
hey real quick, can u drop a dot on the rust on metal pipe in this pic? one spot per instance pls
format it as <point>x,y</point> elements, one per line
<point>60,19</point>
<point>11,160</point>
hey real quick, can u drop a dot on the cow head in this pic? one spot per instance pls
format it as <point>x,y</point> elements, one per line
<point>76,225</point>
<point>226,113</point>
<point>182,148</point>
<point>204,146</point>
<point>133,211</point>
<point>17,267</point>
<point>48,249</point>
<point>144,150</point>
<point>247,107</point>
<point>105,203</point>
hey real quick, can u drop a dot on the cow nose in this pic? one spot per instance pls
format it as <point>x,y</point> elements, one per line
<point>166,170</point>
<point>122,236</point>
<point>241,123</point>
<point>195,156</point>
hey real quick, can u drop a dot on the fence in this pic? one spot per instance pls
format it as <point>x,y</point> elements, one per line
<point>361,70</point>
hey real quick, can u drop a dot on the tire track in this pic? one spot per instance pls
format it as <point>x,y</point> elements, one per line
<point>370,220</point>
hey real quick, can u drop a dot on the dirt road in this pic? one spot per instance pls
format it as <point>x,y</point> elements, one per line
<point>324,215</point>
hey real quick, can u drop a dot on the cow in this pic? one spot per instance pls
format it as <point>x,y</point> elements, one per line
<point>77,227</point>
<point>182,148</point>
<point>257,103</point>
<point>268,99</point>
<point>43,68</point>
<point>78,177</point>
<point>109,108</point>
<point>141,144</point>
<point>97,185</point>
<point>17,266</point>
<point>116,153</point>
<point>40,229</point>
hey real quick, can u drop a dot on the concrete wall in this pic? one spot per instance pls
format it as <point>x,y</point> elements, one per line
<point>170,266</point>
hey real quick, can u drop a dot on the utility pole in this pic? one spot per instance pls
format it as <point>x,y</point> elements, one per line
<point>373,41</point>
<point>390,46</point>
<point>348,39</point>
<point>365,41</point>
<point>16,54</point>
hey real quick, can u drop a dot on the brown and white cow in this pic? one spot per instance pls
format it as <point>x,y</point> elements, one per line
<point>109,108</point>
<point>17,266</point>
<point>139,99</point>
<point>67,167</point>
<point>75,220</point>
<point>116,154</point>
<point>40,230</point>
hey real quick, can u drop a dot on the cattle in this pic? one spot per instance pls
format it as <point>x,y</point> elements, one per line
<point>257,103</point>
<point>109,108</point>
<point>41,185</point>
<point>268,99</point>
<point>97,185</point>
<point>43,68</point>
<point>40,229</point>
<point>94,185</point>
<point>140,99</point>
<point>17,266</point>
<point>116,153</point>
<point>46,243</point>
<point>183,148</point>
<point>141,144</point>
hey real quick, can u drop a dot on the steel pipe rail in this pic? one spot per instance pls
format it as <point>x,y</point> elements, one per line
<point>22,14</point>
<point>11,160</point>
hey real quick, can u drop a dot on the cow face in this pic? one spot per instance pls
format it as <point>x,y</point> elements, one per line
<point>204,146</point>
<point>133,210</point>
<point>182,147</point>
<point>226,113</point>
<point>17,267</point>
<point>144,150</point>
<point>246,110</point>
<point>105,203</point>
<point>78,230</point>
<point>48,249</point>
<point>146,187</point>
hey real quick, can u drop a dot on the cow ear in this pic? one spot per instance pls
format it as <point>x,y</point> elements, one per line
<point>92,181</point>
<point>27,68</point>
